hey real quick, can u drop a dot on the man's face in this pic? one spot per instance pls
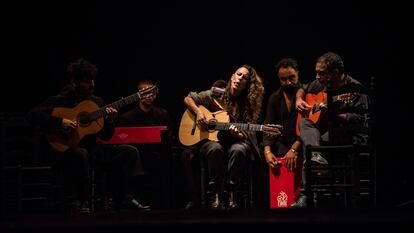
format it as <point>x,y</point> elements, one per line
<point>288,76</point>
<point>322,74</point>
<point>148,99</point>
<point>85,87</point>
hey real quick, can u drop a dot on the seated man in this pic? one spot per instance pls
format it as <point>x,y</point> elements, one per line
<point>340,119</point>
<point>59,116</point>
<point>147,113</point>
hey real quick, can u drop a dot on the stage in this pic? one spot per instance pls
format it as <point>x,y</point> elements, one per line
<point>203,220</point>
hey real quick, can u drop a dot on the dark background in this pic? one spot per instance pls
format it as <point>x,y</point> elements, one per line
<point>186,46</point>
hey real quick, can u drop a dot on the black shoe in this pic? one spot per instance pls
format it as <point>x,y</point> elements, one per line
<point>232,202</point>
<point>84,208</point>
<point>80,207</point>
<point>233,205</point>
<point>216,203</point>
<point>190,206</point>
<point>300,202</point>
<point>317,158</point>
<point>134,204</point>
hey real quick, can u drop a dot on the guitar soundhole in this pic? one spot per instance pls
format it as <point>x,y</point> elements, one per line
<point>83,119</point>
<point>212,123</point>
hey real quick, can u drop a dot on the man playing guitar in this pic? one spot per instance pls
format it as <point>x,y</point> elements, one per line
<point>73,120</point>
<point>342,101</point>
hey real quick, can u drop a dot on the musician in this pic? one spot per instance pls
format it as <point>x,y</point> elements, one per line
<point>242,99</point>
<point>281,110</point>
<point>147,113</point>
<point>344,117</point>
<point>122,161</point>
<point>189,156</point>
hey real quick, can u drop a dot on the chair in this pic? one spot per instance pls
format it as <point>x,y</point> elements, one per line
<point>245,191</point>
<point>349,180</point>
<point>247,186</point>
<point>343,182</point>
<point>146,135</point>
<point>26,176</point>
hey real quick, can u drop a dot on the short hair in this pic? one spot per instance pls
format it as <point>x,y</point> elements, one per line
<point>287,62</point>
<point>332,61</point>
<point>81,69</point>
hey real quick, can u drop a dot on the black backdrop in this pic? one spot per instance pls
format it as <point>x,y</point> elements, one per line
<point>187,45</point>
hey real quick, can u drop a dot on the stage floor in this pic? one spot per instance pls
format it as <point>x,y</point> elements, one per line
<point>252,220</point>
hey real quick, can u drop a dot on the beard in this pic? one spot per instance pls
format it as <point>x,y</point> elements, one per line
<point>290,89</point>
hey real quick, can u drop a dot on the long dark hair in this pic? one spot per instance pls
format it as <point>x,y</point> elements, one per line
<point>248,105</point>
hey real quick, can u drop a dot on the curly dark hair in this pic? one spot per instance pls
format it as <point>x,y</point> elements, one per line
<point>247,107</point>
<point>81,69</point>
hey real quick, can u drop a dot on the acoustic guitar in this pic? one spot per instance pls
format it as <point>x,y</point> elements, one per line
<point>191,133</point>
<point>318,102</point>
<point>90,119</point>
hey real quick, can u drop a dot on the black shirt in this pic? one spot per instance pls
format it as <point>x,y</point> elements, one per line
<point>136,117</point>
<point>277,113</point>
<point>357,109</point>
<point>42,115</point>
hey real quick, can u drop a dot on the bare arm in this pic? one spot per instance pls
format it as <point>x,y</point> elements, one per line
<point>292,155</point>
<point>270,157</point>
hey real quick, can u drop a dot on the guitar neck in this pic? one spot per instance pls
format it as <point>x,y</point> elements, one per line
<point>117,105</point>
<point>317,107</point>
<point>240,126</point>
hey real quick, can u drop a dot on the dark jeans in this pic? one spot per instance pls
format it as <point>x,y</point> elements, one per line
<point>122,162</point>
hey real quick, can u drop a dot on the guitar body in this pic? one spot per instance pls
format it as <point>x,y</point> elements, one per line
<point>90,119</point>
<point>190,133</point>
<point>313,100</point>
<point>61,140</point>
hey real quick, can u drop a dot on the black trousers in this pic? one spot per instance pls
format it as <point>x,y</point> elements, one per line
<point>122,162</point>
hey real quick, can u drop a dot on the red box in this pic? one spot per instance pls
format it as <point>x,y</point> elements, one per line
<point>143,134</point>
<point>284,185</point>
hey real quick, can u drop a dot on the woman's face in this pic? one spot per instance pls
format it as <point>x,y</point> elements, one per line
<point>239,80</point>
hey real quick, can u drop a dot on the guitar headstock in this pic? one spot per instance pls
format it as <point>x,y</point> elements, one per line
<point>273,130</point>
<point>346,98</point>
<point>148,92</point>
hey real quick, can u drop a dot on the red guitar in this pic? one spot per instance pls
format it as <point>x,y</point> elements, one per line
<point>318,102</point>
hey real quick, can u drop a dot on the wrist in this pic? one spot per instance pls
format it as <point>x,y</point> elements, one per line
<point>294,150</point>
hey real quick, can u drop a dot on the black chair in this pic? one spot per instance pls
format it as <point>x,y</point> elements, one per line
<point>151,141</point>
<point>27,182</point>
<point>342,183</point>
<point>245,191</point>
<point>349,180</point>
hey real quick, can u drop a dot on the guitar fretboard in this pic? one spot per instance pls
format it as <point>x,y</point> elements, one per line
<point>317,107</point>
<point>117,105</point>
<point>240,126</point>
